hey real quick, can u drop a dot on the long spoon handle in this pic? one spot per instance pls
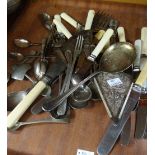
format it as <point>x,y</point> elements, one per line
<point>52,104</point>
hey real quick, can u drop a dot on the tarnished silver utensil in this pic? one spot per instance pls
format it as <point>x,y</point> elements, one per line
<point>40,65</point>
<point>71,65</point>
<point>80,98</point>
<point>113,131</point>
<point>118,56</point>
<point>52,73</point>
<point>22,58</point>
<point>14,98</point>
<point>51,104</point>
<point>46,20</point>
<point>46,120</point>
<point>23,43</point>
<point>19,72</point>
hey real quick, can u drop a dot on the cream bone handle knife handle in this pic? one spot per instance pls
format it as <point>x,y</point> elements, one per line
<point>121,34</point>
<point>89,20</point>
<point>57,16</point>
<point>62,28</point>
<point>142,77</point>
<point>144,46</point>
<point>138,48</point>
<point>52,73</point>
<point>144,40</point>
<point>104,40</point>
<point>20,109</point>
<point>70,20</point>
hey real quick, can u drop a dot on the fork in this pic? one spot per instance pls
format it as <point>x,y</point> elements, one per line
<point>101,21</point>
<point>70,68</point>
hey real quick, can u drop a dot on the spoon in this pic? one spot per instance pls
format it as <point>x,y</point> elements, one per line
<point>46,120</point>
<point>14,98</point>
<point>46,20</point>
<point>40,65</point>
<point>51,104</point>
<point>20,57</point>
<point>23,43</point>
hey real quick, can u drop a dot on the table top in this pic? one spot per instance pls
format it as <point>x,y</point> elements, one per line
<point>87,125</point>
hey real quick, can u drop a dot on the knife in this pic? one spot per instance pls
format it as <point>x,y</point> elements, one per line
<point>141,111</point>
<point>138,48</point>
<point>52,73</point>
<point>114,129</point>
<point>126,132</point>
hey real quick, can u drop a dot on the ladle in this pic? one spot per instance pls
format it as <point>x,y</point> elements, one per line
<point>23,43</point>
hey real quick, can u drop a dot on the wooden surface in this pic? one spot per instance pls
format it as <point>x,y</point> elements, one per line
<point>144,2</point>
<point>87,125</point>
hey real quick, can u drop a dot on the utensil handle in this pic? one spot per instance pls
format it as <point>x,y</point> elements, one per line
<point>121,34</point>
<point>20,109</point>
<point>142,76</point>
<point>57,16</point>
<point>70,20</point>
<point>138,44</point>
<point>62,28</point>
<point>144,40</point>
<point>89,20</point>
<point>99,34</point>
<point>104,40</point>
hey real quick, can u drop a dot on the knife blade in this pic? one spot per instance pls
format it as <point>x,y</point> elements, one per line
<point>141,118</point>
<point>114,130</point>
<point>126,133</point>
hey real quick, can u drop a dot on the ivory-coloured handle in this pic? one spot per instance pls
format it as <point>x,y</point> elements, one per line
<point>89,20</point>
<point>142,76</point>
<point>121,34</point>
<point>138,45</point>
<point>104,40</point>
<point>144,40</point>
<point>70,20</point>
<point>20,109</point>
<point>57,16</point>
<point>62,28</point>
<point>99,34</point>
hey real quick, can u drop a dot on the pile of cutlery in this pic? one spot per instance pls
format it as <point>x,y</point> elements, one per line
<point>97,53</point>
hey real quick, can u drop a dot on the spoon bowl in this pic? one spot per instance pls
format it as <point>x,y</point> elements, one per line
<point>80,97</point>
<point>23,43</point>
